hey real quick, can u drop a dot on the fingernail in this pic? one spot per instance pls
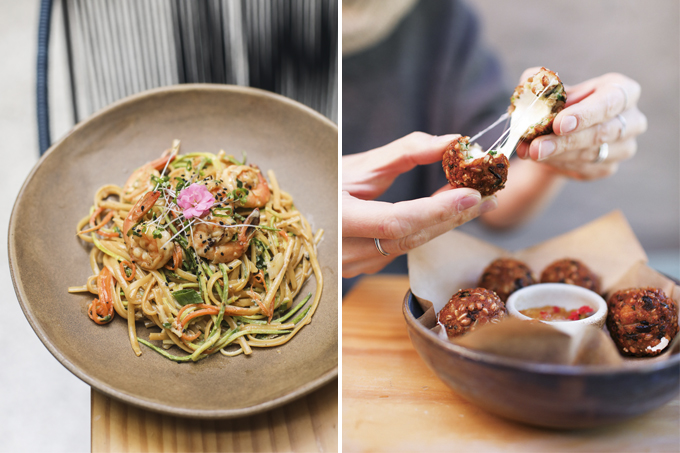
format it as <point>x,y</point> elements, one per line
<point>545,148</point>
<point>524,154</point>
<point>568,124</point>
<point>488,205</point>
<point>469,201</point>
<point>444,139</point>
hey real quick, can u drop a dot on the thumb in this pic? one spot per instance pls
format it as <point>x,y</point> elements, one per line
<point>367,175</point>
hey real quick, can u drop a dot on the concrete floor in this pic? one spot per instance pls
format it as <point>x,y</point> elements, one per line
<point>44,407</point>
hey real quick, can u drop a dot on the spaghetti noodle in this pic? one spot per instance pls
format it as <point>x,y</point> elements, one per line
<point>203,248</point>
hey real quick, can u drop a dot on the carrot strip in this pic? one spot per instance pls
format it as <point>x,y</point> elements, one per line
<point>259,278</point>
<point>229,310</point>
<point>258,300</point>
<point>107,233</point>
<point>177,258</point>
<point>194,314</point>
<point>95,214</point>
<point>132,268</point>
<point>186,307</point>
<point>204,309</point>
<point>186,337</point>
<point>106,220</point>
<point>92,311</point>
<point>100,310</point>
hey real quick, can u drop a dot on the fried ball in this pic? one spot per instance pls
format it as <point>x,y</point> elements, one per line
<point>468,166</point>
<point>470,308</point>
<point>504,276</point>
<point>533,107</point>
<point>641,321</point>
<point>547,86</point>
<point>573,272</point>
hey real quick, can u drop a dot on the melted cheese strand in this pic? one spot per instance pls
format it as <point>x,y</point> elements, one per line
<point>520,123</point>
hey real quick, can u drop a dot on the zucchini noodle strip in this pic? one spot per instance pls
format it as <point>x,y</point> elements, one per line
<point>132,329</point>
<point>269,299</point>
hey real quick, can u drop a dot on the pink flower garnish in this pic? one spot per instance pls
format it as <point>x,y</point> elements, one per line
<point>195,201</point>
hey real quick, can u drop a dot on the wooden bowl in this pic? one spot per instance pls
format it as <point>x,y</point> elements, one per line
<point>45,256</point>
<point>548,395</point>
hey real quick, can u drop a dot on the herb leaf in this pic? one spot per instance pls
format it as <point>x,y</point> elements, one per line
<point>187,297</point>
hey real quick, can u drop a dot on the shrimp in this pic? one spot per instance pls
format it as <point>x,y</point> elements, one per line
<point>140,180</point>
<point>216,241</point>
<point>149,247</point>
<point>250,178</point>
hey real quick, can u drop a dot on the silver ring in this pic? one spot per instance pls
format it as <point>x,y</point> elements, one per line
<point>602,153</point>
<point>380,249</point>
<point>624,125</point>
<point>625,95</point>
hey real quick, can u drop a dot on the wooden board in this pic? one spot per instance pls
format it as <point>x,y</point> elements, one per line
<point>393,402</point>
<point>307,424</point>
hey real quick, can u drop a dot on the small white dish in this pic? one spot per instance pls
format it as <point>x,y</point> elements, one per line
<point>562,295</point>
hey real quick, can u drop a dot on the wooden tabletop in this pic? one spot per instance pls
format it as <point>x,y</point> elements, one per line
<point>391,401</point>
<point>308,424</point>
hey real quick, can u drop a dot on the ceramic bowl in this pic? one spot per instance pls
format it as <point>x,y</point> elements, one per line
<point>548,395</point>
<point>45,256</point>
<point>562,295</point>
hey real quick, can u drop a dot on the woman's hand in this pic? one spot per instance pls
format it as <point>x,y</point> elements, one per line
<point>599,111</point>
<point>401,226</point>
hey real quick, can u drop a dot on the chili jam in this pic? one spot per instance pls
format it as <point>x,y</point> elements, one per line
<point>555,313</point>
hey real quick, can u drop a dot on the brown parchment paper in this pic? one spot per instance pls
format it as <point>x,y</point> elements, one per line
<point>607,245</point>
